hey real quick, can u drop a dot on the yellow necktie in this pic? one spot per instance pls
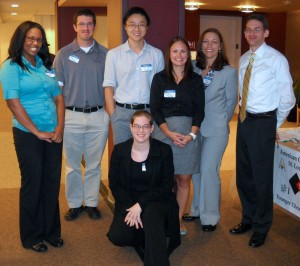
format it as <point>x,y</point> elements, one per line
<point>246,87</point>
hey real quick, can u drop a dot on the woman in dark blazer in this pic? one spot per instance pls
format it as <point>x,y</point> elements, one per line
<point>141,178</point>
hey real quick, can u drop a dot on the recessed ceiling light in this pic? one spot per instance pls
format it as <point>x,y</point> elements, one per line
<point>247,9</point>
<point>192,5</point>
<point>14,5</point>
<point>14,13</point>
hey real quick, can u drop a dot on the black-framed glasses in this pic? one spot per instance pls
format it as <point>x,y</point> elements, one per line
<point>33,39</point>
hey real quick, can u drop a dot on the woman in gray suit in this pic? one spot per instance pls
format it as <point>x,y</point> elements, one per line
<point>220,82</point>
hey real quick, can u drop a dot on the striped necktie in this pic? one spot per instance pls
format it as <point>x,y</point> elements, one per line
<point>246,87</point>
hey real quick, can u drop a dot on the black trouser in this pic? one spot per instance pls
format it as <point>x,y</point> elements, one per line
<point>254,170</point>
<point>152,236</point>
<point>40,166</point>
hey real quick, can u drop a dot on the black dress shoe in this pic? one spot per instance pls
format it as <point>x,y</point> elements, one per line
<point>40,247</point>
<point>73,213</point>
<point>209,228</point>
<point>58,242</point>
<point>93,212</point>
<point>257,240</point>
<point>188,218</point>
<point>240,229</point>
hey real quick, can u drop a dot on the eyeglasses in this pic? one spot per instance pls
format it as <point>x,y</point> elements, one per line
<point>82,24</point>
<point>138,127</point>
<point>255,30</point>
<point>32,39</point>
<point>133,26</point>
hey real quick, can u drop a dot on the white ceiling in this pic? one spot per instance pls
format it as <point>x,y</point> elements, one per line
<point>29,8</point>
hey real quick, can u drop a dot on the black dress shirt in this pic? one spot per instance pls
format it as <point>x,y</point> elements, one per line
<point>170,99</point>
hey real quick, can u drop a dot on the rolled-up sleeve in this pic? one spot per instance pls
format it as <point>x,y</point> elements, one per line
<point>9,80</point>
<point>109,72</point>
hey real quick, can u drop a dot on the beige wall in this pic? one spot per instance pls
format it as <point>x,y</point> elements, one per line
<point>101,31</point>
<point>6,31</point>
<point>292,42</point>
<point>48,23</point>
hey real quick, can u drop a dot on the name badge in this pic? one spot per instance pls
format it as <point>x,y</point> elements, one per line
<point>146,67</point>
<point>207,80</point>
<point>143,167</point>
<point>74,58</point>
<point>50,73</point>
<point>169,93</point>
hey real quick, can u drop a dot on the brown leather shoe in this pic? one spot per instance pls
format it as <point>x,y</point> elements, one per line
<point>240,229</point>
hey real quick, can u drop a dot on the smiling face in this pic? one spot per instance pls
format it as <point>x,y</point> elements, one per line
<point>255,34</point>
<point>179,54</point>
<point>85,28</point>
<point>141,129</point>
<point>211,45</point>
<point>32,44</point>
<point>136,27</point>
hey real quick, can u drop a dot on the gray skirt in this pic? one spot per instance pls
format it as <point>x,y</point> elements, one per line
<point>187,159</point>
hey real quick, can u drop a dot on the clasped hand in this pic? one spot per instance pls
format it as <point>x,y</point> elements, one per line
<point>56,136</point>
<point>179,139</point>
<point>133,217</point>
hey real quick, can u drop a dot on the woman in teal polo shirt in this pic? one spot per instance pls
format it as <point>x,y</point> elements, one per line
<point>32,94</point>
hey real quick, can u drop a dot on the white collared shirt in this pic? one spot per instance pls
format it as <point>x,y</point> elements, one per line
<point>131,74</point>
<point>270,85</point>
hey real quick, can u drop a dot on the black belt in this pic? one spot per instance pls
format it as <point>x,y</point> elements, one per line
<point>84,110</point>
<point>139,106</point>
<point>262,115</point>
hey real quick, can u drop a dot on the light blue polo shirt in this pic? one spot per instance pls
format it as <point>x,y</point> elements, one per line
<point>35,89</point>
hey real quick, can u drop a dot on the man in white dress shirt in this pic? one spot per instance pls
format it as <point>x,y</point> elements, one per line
<point>129,70</point>
<point>269,100</point>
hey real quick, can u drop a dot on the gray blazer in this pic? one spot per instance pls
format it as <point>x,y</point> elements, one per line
<point>220,101</point>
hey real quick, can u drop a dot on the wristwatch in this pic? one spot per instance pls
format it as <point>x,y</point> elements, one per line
<point>193,135</point>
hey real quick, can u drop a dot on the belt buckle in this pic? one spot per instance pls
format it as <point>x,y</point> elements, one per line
<point>87,110</point>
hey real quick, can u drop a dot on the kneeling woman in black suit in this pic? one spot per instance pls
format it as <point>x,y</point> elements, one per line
<point>141,178</point>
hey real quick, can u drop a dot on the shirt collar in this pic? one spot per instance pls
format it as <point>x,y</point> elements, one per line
<point>127,47</point>
<point>260,51</point>
<point>75,47</point>
<point>39,61</point>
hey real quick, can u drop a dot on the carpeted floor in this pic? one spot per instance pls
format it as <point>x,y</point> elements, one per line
<point>86,242</point>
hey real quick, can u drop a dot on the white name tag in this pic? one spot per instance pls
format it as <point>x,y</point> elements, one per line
<point>146,68</point>
<point>143,167</point>
<point>169,93</point>
<point>74,58</point>
<point>50,73</point>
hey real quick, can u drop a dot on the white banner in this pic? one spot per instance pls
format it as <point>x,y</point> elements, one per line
<point>287,178</point>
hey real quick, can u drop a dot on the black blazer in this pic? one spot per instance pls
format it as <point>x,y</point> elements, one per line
<point>160,165</point>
